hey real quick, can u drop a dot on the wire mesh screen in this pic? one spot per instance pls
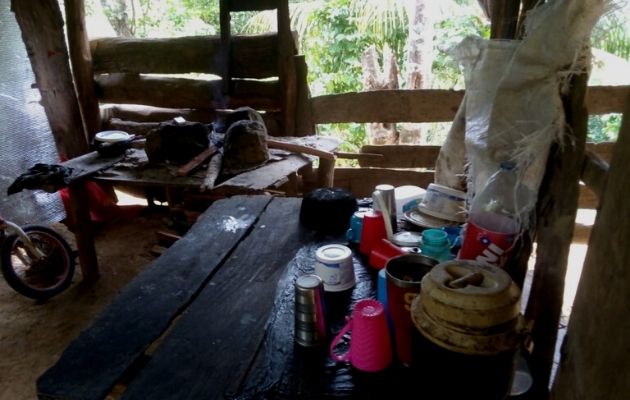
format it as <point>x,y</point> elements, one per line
<point>25,136</point>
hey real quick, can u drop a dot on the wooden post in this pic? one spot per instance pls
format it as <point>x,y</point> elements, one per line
<point>286,68</point>
<point>304,125</point>
<point>224,53</point>
<point>326,172</point>
<point>81,59</point>
<point>557,207</point>
<point>504,18</point>
<point>42,31</point>
<point>80,218</point>
<point>594,363</point>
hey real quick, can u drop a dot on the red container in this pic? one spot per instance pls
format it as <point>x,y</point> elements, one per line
<point>483,245</point>
<point>372,231</point>
<point>382,251</point>
<point>404,276</point>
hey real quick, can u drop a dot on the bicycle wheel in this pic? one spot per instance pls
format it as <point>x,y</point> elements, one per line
<point>38,279</point>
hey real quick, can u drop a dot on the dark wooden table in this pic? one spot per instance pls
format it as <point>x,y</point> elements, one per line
<point>212,318</point>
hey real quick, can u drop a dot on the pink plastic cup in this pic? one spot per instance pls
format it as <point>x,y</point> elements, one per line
<point>372,231</point>
<point>370,345</point>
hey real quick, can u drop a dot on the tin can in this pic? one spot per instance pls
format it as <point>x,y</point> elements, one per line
<point>310,316</point>
<point>334,266</point>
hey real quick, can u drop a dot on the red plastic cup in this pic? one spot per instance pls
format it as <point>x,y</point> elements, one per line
<point>373,230</point>
<point>370,346</point>
<point>404,275</point>
<point>482,245</point>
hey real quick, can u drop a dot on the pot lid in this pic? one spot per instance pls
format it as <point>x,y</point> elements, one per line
<point>112,136</point>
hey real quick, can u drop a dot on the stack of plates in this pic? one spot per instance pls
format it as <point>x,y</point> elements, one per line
<point>424,218</point>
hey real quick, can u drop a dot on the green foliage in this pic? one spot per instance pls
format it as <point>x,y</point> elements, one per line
<point>603,128</point>
<point>449,32</point>
<point>611,35</point>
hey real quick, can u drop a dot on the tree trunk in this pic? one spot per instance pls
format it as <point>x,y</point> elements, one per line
<point>419,59</point>
<point>119,17</point>
<point>375,78</point>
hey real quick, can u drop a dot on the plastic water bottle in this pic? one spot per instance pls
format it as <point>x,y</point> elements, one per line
<point>494,219</point>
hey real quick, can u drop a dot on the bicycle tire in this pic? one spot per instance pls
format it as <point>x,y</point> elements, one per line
<point>59,260</point>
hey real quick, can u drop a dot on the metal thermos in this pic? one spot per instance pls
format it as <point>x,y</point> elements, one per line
<point>310,318</point>
<point>389,198</point>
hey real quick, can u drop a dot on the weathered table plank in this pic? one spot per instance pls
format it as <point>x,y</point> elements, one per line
<point>207,354</point>
<point>94,362</point>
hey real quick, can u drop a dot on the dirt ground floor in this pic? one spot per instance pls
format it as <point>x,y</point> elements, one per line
<point>32,335</point>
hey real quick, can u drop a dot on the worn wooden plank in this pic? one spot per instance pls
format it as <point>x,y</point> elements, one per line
<point>429,105</point>
<point>186,93</point>
<point>94,362</point>
<point>401,156</point>
<point>251,56</point>
<point>556,210</point>
<point>261,178</point>
<point>238,299</point>
<point>41,24</point>
<point>433,105</point>
<point>361,181</point>
<point>606,99</point>
<point>594,358</point>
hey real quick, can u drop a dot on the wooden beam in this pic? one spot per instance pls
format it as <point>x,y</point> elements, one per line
<point>41,24</point>
<point>387,106</point>
<point>606,99</point>
<point>594,358</point>
<point>556,211</point>
<point>186,93</point>
<point>429,105</point>
<point>81,59</point>
<point>251,56</point>
<point>401,156</point>
<point>361,181</point>
<point>136,115</point>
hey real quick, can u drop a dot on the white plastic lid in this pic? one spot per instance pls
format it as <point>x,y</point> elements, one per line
<point>112,136</point>
<point>333,253</point>
<point>308,281</point>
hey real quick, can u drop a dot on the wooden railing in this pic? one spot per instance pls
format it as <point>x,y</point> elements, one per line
<point>412,164</point>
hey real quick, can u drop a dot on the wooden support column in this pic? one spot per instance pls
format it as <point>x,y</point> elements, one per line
<point>594,357</point>
<point>557,207</point>
<point>286,68</point>
<point>304,125</point>
<point>81,59</point>
<point>80,218</point>
<point>504,18</point>
<point>42,31</point>
<point>326,172</point>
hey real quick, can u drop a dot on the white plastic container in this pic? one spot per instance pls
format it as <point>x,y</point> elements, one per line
<point>334,266</point>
